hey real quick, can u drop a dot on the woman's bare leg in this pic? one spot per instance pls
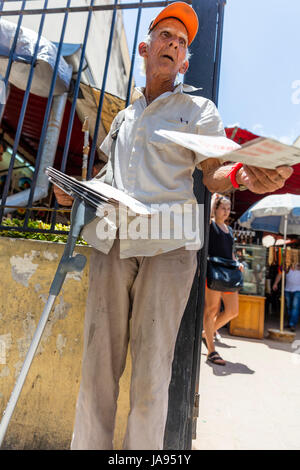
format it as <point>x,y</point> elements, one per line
<point>211,309</point>
<point>231,309</point>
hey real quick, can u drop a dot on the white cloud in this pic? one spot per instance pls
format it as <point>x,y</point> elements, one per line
<point>236,124</point>
<point>288,139</point>
<point>257,129</point>
<point>285,139</point>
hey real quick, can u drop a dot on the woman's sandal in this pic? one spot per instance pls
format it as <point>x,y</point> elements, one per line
<point>215,358</point>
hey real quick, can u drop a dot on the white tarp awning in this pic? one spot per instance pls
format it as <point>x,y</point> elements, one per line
<point>44,64</point>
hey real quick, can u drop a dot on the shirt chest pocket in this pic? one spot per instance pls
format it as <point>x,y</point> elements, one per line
<point>176,124</point>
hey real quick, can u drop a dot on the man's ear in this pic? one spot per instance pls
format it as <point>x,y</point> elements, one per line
<point>184,67</point>
<point>143,49</point>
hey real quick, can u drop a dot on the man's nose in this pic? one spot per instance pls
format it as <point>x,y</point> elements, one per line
<point>174,42</point>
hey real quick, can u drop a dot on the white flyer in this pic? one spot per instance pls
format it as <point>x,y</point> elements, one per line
<point>262,152</point>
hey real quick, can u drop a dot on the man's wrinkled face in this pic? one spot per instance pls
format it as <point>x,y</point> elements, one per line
<point>167,50</point>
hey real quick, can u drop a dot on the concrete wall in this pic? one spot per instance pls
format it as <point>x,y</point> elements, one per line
<point>44,416</point>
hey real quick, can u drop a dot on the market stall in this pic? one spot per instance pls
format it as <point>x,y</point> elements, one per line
<point>250,321</point>
<point>276,214</point>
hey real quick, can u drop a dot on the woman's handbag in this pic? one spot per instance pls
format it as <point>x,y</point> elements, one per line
<point>223,274</point>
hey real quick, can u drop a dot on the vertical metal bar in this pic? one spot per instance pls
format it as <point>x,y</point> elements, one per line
<point>2,105</point>
<point>76,90</point>
<point>137,27</point>
<point>73,107</point>
<point>5,91</point>
<point>42,184</point>
<point>99,110</point>
<point>282,300</point>
<point>22,114</point>
<point>195,390</point>
<point>11,53</point>
<point>46,116</point>
<point>186,364</point>
<point>86,148</point>
<point>221,8</point>
<point>14,44</point>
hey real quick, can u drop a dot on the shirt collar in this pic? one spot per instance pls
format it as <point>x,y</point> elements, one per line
<point>138,92</point>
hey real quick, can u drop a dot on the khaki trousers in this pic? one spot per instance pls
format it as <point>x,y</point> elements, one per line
<point>152,292</point>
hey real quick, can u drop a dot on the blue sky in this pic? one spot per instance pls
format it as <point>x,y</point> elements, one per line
<point>260,68</point>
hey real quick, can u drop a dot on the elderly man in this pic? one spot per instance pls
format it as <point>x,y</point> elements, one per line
<point>146,283</point>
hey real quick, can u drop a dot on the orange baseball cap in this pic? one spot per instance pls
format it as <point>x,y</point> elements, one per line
<point>184,13</point>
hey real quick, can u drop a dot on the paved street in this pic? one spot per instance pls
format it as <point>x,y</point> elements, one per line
<point>254,401</point>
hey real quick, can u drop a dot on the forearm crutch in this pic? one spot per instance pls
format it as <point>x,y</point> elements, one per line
<point>81,215</point>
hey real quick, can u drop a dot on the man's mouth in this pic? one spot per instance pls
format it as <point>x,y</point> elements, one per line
<point>168,57</point>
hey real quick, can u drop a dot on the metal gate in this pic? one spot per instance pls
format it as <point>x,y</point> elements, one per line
<point>20,108</point>
<point>56,126</point>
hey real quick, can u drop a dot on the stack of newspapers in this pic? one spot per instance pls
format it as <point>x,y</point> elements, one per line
<point>261,152</point>
<point>95,192</point>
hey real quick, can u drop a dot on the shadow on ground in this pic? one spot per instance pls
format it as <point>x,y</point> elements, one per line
<point>230,368</point>
<point>270,323</point>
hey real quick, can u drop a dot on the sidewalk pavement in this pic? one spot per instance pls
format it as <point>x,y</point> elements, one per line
<point>253,403</point>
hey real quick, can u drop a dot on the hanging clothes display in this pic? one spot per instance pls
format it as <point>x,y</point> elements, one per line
<point>275,257</point>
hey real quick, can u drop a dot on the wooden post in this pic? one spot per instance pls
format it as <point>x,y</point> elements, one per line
<point>86,148</point>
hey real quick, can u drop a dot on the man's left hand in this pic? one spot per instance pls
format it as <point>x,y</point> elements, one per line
<point>261,180</point>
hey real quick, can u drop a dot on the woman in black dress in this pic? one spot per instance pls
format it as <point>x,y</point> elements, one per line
<point>220,244</point>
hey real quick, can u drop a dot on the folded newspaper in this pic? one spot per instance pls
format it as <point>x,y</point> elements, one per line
<point>95,192</point>
<point>262,152</point>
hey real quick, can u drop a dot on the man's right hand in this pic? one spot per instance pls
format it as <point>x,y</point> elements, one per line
<point>62,198</point>
<point>261,180</point>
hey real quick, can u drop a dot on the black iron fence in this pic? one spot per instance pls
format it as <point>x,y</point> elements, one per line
<point>30,125</point>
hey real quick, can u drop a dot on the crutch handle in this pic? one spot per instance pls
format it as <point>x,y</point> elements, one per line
<point>80,216</point>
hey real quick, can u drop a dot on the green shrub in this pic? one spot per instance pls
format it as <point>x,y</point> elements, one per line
<point>37,224</point>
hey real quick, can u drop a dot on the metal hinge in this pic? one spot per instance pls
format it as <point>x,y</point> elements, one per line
<point>196,405</point>
<point>195,415</point>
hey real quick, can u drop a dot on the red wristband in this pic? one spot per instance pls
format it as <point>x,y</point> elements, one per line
<point>232,174</point>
